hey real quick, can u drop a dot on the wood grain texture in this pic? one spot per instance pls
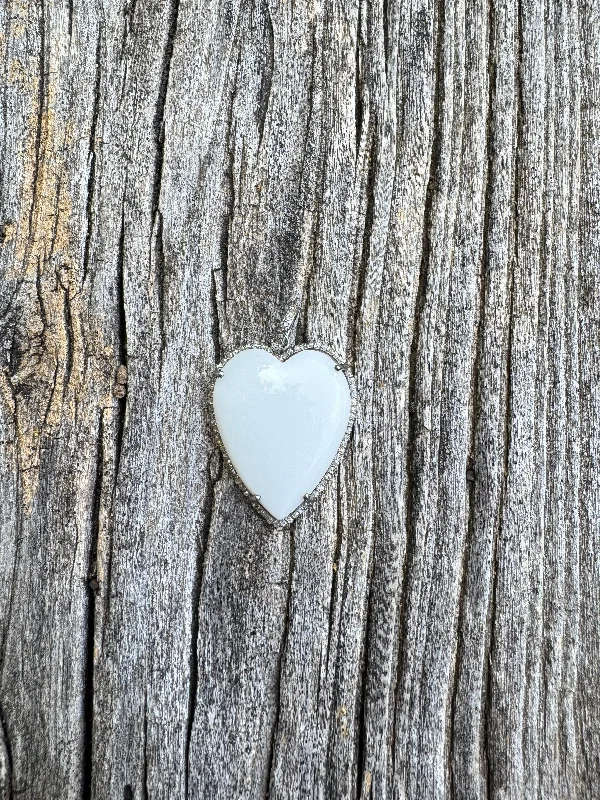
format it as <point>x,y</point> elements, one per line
<point>416,185</point>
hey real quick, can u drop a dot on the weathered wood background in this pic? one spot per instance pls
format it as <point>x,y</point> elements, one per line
<point>416,184</point>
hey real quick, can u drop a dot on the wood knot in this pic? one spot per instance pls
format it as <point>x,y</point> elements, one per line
<point>120,385</point>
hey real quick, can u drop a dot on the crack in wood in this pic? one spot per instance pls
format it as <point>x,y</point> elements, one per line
<point>267,75</point>
<point>68,317</point>
<point>145,749</point>
<point>269,761</point>
<point>158,125</point>
<point>70,25</point>
<point>92,158</point>
<point>158,128</point>
<point>160,267</point>
<point>363,782</point>
<point>201,549</point>
<point>413,467</point>
<point>339,537</point>
<point>92,588</point>
<point>40,120</point>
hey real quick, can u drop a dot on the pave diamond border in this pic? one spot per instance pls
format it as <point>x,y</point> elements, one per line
<point>283,356</point>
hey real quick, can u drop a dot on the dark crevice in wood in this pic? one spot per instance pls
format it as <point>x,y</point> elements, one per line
<point>128,792</point>
<point>92,588</point>
<point>121,339</point>
<point>158,125</point>
<point>488,734</point>
<point>487,216</point>
<point>40,116</point>
<point>8,785</point>
<point>491,622</point>
<point>366,243</point>
<point>106,588</point>
<point>224,244</point>
<point>411,466</point>
<point>70,20</point>
<point>435,186</point>
<point>215,327</point>
<point>410,548</point>
<point>361,749</point>
<point>547,277</point>
<point>472,466</point>
<point>145,749</point>
<point>201,548</point>
<point>385,24</point>
<point>92,161</point>
<point>300,321</point>
<point>302,317</point>
<point>159,263</point>
<point>395,667</point>
<point>292,334</point>
<point>310,121</point>
<point>519,153</point>
<point>362,173</point>
<point>158,128</point>
<point>339,534</point>
<point>358,84</point>
<point>453,681</point>
<point>488,738</point>
<point>128,13</point>
<point>68,317</point>
<point>121,313</point>
<point>362,782</point>
<point>266,77</point>
<point>224,247</point>
<point>219,292</point>
<point>485,245</point>
<point>40,296</point>
<point>220,320</point>
<point>282,648</point>
<point>462,599</point>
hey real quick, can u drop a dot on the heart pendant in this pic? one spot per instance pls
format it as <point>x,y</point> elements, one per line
<point>282,424</point>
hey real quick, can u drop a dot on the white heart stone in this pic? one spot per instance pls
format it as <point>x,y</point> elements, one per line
<point>281,422</point>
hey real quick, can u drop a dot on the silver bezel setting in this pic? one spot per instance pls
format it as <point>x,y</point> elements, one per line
<point>308,498</point>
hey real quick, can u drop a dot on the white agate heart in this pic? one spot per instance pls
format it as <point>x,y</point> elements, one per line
<point>281,422</point>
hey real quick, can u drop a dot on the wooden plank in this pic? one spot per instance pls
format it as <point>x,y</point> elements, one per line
<point>413,184</point>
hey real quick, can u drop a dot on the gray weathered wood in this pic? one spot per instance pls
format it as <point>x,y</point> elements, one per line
<point>414,183</point>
